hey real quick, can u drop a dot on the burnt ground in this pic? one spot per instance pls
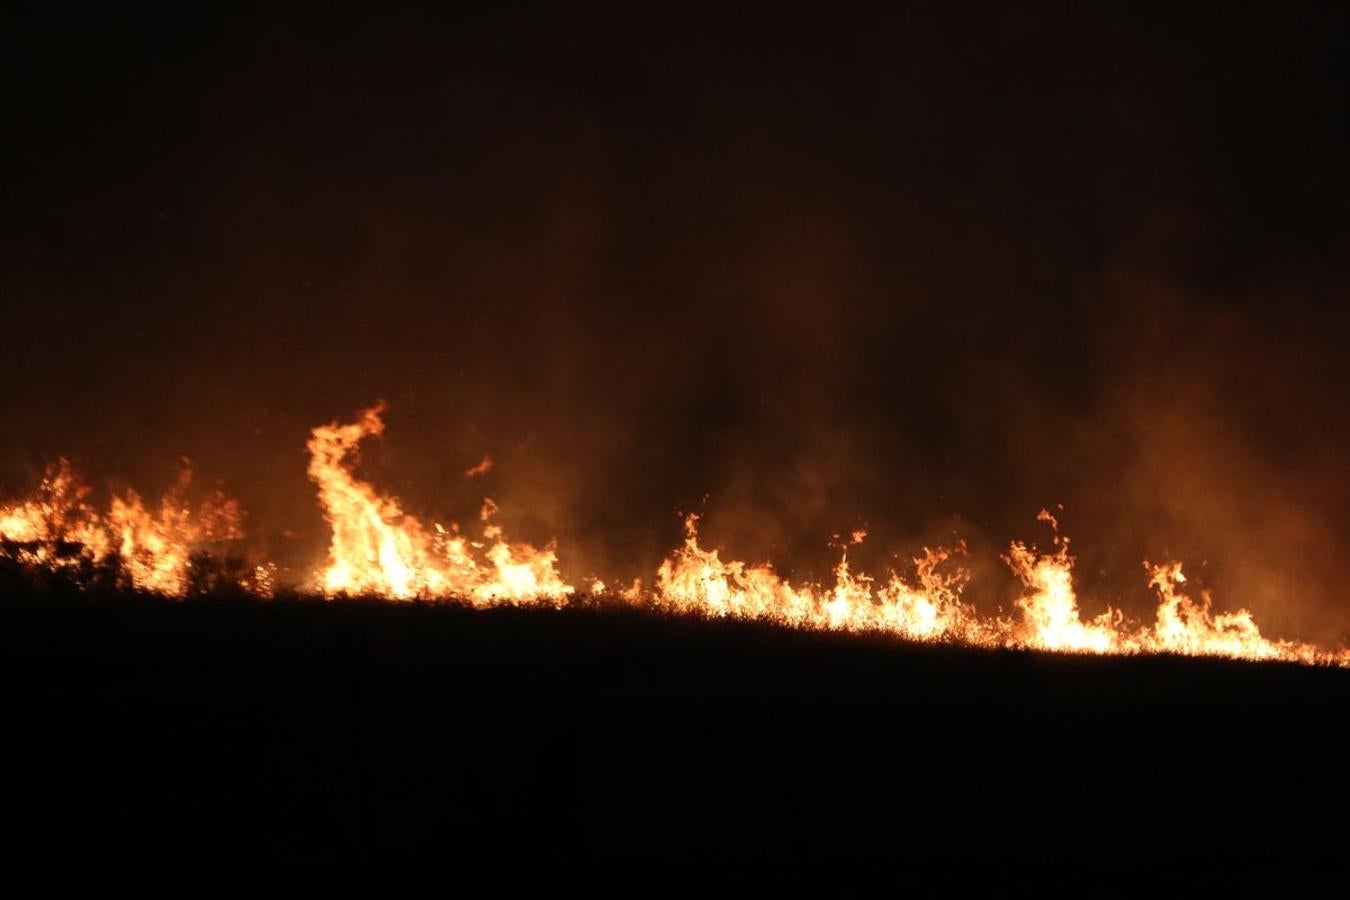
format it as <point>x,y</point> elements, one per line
<point>223,736</point>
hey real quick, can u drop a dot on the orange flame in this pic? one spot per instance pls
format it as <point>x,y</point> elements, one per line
<point>484,466</point>
<point>155,550</point>
<point>57,513</point>
<point>377,549</point>
<point>931,608</point>
<point>1049,606</point>
<point>1190,628</point>
<point>694,579</point>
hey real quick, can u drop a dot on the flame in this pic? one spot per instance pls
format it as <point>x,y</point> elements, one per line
<point>694,579</point>
<point>1051,620</point>
<point>484,466</point>
<point>1191,628</point>
<point>930,608</point>
<point>57,513</point>
<point>58,527</point>
<point>377,549</point>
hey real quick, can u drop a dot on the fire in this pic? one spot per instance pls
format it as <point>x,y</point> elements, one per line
<point>697,580</point>
<point>1193,629</point>
<point>930,608</point>
<point>377,549</point>
<point>58,513</point>
<point>1049,606</point>
<point>59,527</point>
<point>156,549</point>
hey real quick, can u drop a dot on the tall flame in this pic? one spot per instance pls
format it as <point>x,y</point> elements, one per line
<point>378,549</point>
<point>1050,616</point>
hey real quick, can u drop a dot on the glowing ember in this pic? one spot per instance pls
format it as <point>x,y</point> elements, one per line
<point>377,549</point>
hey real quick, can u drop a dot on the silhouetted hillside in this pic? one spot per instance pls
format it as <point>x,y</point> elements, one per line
<point>224,734</point>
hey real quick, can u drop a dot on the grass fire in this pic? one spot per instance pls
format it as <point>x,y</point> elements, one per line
<point>478,443</point>
<point>379,550</point>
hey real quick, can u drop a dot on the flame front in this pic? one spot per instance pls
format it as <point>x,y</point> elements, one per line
<point>694,579</point>
<point>1193,629</point>
<point>58,527</point>
<point>377,549</point>
<point>931,608</point>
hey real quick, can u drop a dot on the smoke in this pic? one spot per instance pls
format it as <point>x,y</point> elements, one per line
<point>1228,409</point>
<point>803,278</point>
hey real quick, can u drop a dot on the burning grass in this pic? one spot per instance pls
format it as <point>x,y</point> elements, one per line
<point>378,549</point>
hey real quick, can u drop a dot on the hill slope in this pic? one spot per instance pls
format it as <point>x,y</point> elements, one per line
<point>341,736</point>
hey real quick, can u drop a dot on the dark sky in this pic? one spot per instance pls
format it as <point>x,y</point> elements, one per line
<point>925,272</point>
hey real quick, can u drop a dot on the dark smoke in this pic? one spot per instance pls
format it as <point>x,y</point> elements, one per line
<point>924,274</point>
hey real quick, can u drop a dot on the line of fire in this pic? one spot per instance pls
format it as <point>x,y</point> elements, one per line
<point>379,550</point>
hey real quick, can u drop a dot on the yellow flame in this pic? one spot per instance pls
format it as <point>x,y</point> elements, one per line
<point>1049,606</point>
<point>377,549</point>
<point>1191,628</point>
<point>694,579</point>
<point>58,512</point>
<point>930,608</point>
<point>154,549</point>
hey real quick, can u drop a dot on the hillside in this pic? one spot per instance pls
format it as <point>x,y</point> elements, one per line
<point>347,735</point>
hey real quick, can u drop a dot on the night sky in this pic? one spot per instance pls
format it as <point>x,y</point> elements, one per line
<point>925,273</point>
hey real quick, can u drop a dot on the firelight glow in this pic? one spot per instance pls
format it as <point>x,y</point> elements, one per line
<point>377,549</point>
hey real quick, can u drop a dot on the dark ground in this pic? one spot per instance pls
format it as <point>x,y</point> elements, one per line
<point>221,737</point>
